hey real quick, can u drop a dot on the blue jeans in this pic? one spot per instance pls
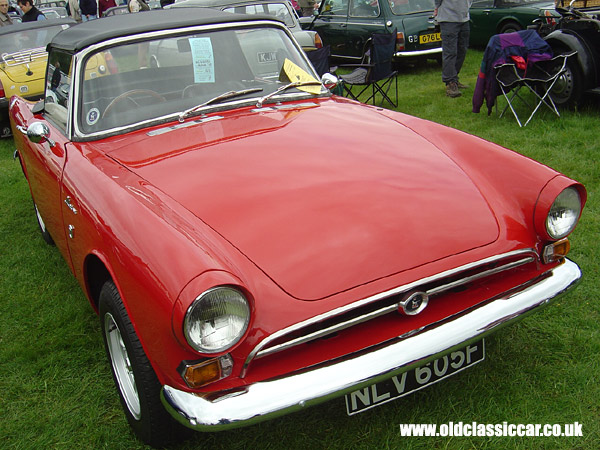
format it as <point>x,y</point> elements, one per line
<point>455,41</point>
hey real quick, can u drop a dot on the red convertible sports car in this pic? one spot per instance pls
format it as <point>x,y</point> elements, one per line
<point>244,267</point>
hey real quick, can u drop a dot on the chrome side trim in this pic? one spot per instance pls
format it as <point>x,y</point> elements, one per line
<point>264,400</point>
<point>258,352</point>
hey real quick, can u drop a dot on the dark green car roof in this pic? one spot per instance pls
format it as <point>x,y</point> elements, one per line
<point>95,31</point>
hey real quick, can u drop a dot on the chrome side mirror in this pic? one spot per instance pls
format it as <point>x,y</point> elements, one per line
<point>38,133</point>
<point>329,81</point>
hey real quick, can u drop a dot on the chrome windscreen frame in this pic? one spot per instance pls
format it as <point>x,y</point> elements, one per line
<point>79,58</point>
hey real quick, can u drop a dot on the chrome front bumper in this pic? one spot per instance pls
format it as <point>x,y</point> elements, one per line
<point>429,52</point>
<point>268,399</point>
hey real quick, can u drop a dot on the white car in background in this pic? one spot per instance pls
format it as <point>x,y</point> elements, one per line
<point>279,9</point>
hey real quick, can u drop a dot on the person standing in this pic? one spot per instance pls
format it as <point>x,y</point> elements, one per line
<point>89,10</point>
<point>307,7</point>
<point>453,18</point>
<point>4,17</point>
<point>74,10</point>
<point>135,6</point>
<point>30,12</point>
<point>103,5</point>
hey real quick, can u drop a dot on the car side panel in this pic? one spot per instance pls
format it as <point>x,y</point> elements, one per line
<point>358,32</point>
<point>120,222</point>
<point>44,166</point>
<point>482,21</point>
<point>332,29</point>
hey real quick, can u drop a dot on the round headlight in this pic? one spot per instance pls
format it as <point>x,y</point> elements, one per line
<point>564,213</point>
<point>216,320</point>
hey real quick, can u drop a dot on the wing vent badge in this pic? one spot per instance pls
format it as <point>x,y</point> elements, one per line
<point>414,303</point>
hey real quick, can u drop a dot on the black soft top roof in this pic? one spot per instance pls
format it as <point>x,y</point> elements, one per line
<point>18,27</point>
<point>94,31</point>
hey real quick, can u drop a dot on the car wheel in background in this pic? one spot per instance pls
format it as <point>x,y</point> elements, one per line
<point>510,27</point>
<point>568,89</point>
<point>138,386</point>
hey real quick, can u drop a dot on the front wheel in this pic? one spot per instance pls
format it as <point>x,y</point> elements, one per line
<point>138,386</point>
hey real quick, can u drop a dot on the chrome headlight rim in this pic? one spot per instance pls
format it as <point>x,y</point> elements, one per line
<point>546,201</point>
<point>563,215</point>
<point>194,338</point>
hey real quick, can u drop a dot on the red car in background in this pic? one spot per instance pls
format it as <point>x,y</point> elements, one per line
<point>254,245</point>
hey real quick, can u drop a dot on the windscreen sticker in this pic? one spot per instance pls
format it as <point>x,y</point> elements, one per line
<point>204,61</point>
<point>92,116</point>
<point>291,72</point>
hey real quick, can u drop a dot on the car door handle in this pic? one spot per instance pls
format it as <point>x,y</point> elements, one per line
<point>70,205</point>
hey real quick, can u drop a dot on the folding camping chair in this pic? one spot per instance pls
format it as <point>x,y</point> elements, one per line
<point>538,77</point>
<point>320,60</point>
<point>376,71</point>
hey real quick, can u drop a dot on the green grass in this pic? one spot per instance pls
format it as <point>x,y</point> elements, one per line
<point>55,386</point>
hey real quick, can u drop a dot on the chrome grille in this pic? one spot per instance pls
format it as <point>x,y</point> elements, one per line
<point>385,303</point>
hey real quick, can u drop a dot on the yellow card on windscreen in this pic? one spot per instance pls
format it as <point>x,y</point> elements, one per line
<point>293,73</point>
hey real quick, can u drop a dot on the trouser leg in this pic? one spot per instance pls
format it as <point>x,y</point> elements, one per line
<point>449,34</point>
<point>462,45</point>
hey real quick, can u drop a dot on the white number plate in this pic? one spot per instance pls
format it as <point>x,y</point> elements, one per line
<point>413,380</point>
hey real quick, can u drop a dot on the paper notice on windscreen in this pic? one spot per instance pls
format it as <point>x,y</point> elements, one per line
<point>203,58</point>
<point>292,73</point>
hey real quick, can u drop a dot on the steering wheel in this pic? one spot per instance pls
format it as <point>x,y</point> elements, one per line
<point>127,96</point>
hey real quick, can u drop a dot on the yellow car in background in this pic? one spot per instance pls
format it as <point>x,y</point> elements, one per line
<point>23,61</point>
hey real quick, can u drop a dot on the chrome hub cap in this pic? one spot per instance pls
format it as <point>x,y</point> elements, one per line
<point>563,87</point>
<point>119,359</point>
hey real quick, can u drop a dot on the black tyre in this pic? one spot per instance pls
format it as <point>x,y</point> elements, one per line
<point>138,386</point>
<point>42,226</point>
<point>510,27</point>
<point>568,89</point>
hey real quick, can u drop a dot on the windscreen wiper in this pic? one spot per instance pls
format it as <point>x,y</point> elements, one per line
<point>218,98</point>
<point>261,100</point>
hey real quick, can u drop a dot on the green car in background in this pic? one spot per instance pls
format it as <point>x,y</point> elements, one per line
<point>347,25</point>
<point>490,17</point>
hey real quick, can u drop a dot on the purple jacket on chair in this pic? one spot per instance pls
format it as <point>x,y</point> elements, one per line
<point>525,43</point>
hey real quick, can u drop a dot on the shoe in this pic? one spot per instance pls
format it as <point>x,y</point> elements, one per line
<point>452,90</point>
<point>461,86</point>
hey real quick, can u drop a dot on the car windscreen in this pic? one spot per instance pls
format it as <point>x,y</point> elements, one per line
<point>277,10</point>
<point>511,3</point>
<point>24,40</point>
<point>153,79</point>
<point>400,7</point>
